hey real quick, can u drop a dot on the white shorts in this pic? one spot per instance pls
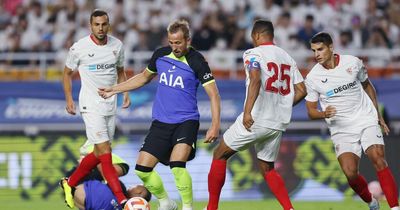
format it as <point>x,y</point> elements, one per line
<point>266,141</point>
<point>355,143</point>
<point>99,129</point>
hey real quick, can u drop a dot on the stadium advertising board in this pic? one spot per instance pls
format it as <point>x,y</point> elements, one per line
<point>32,166</point>
<point>43,102</point>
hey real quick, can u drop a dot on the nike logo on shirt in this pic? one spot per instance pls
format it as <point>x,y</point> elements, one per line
<point>180,139</point>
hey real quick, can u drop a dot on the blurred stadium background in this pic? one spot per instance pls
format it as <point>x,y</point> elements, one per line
<point>39,141</point>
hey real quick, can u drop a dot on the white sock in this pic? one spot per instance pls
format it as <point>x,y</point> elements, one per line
<point>164,201</point>
<point>395,208</point>
<point>187,206</point>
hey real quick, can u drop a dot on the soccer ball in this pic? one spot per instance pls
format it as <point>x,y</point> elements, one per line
<point>137,203</point>
<point>376,190</point>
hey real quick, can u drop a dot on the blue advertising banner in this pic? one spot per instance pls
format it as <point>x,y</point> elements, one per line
<point>43,102</point>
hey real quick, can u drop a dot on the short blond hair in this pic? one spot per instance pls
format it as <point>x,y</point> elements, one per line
<point>181,25</point>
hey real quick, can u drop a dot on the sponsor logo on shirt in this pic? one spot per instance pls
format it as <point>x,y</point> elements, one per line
<point>207,76</point>
<point>171,80</point>
<point>341,88</point>
<point>180,139</point>
<point>96,67</point>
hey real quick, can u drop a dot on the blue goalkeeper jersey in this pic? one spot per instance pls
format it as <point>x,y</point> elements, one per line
<point>99,196</point>
<point>178,80</point>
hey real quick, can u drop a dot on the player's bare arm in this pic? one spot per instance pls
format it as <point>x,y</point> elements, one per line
<point>300,92</point>
<point>215,101</point>
<point>122,78</point>
<point>67,84</point>
<point>130,84</point>
<point>79,196</point>
<point>314,113</point>
<point>371,92</point>
<point>252,94</point>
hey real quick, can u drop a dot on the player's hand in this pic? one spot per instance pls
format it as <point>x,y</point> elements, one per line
<point>330,111</point>
<point>384,126</point>
<point>127,101</point>
<point>70,107</point>
<point>248,121</point>
<point>106,92</point>
<point>212,134</point>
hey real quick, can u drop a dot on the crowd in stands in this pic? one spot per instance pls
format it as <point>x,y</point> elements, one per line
<point>53,25</point>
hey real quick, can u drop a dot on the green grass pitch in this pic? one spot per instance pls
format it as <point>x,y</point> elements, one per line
<point>224,205</point>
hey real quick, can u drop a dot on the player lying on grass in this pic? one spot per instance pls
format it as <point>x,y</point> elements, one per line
<point>93,193</point>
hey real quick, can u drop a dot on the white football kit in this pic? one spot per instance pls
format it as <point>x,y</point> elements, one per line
<point>97,66</point>
<point>355,115</point>
<point>273,108</point>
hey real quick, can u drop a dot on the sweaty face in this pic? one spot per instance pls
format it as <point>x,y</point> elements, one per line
<point>322,52</point>
<point>100,26</point>
<point>178,43</point>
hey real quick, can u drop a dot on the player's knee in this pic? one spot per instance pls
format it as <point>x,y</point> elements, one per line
<point>265,166</point>
<point>380,164</point>
<point>143,171</point>
<point>223,152</point>
<point>101,149</point>
<point>351,174</point>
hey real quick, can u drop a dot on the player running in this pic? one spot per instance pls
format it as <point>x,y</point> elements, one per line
<point>273,85</point>
<point>348,100</point>
<point>173,132</point>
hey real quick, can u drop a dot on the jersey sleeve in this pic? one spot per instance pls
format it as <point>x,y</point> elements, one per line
<point>362,74</point>
<point>297,77</point>
<point>72,61</point>
<point>202,69</point>
<point>152,67</point>
<point>121,57</point>
<point>251,60</point>
<point>312,94</point>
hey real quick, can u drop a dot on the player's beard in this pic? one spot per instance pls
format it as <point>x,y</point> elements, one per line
<point>177,54</point>
<point>100,37</point>
<point>180,53</point>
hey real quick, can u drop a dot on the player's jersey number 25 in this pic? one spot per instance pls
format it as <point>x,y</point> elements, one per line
<point>281,73</point>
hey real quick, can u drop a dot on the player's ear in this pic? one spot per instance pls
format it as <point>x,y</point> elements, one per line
<point>330,47</point>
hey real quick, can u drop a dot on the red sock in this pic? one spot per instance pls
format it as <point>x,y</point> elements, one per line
<point>389,186</point>
<point>111,176</point>
<point>87,164</point>
<point>360,186</point>
<point>277,187</point>
<point>216,180</point>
